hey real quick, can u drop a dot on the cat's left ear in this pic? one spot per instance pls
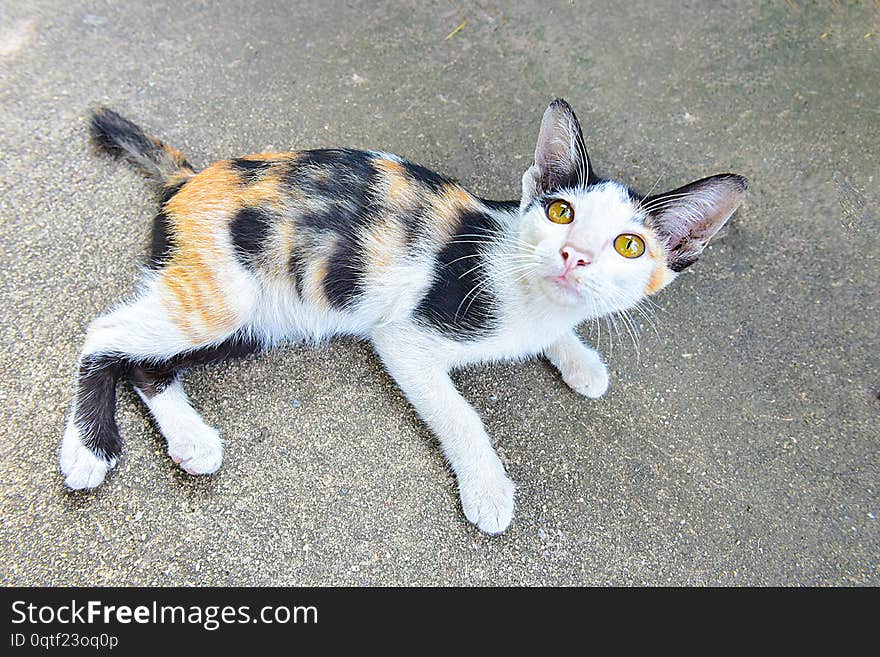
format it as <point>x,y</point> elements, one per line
<point>688,217</point>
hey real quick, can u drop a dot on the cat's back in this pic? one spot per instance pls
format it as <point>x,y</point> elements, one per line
<point>329,191</point>
<point>347,231</point>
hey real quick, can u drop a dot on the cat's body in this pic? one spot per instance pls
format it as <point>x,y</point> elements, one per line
<point>306,245</point>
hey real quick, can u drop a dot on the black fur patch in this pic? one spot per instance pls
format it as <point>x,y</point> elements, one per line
<point>458,304</point>
<point>421,175</point>
<point>324,222</point>
<point>170,191</point>
<point>297,267</point>
<point>162,235</point>
<point>332,173</point>
<point>152,380</point>
<point>95,414</point>
<point>236,346</point>
<point>343,179</point>
<point>118,136</point>
<point>502,206</point>
<point>250,170</point>
<point>417,223</point>
<point>331,156</point>
<point>250,229</point>
<point>161,240</point>
<point>678,262</point>
<point>346,266</point>
<point>343,281</point>
<point>594,181</point>
<point>153,377</point>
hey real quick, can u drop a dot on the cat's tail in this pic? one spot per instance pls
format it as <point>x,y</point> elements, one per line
<point>119,136</point>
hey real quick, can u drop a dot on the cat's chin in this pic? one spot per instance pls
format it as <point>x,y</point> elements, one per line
<point>561,291</point>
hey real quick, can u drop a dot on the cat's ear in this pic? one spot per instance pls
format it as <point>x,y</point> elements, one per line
<point>688,217</point>
<point>560,157</point>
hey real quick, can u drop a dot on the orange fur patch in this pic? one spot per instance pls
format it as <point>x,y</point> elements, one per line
<point>384,242</point>
<point>265,191</point>
<point>399,191</point>
<point>661,275</point>
<point>660,278</point>
<point>317,272</point>
<point>271,156</point>
<point>199,214</point>
<point>211,193</point>
<point>448,207</point>
<point>284,247</point>
<point>196,302</point>
<point>314,288</point>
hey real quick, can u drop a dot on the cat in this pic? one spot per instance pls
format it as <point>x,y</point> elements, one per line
<point>266,248</point>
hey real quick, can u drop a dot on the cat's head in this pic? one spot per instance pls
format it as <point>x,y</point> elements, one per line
<point>597,244</point>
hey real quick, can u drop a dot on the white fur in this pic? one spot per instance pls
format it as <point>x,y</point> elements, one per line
<point>420,371</point>
<point>610,282</point>
<point>279,315</point>
<point>582,368</point>
<point>141,328</point>
<point>192,444</point>
<point>79,465</point>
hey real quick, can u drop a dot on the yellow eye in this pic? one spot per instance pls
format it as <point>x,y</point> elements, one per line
<point>560,212</point>
<point>629,245</point>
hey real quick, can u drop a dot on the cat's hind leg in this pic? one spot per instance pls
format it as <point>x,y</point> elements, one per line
<point>91,443</point>
<point>138,332</point>
<point>192,444</point>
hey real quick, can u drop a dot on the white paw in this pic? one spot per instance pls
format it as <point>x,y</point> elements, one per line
<point>192,444</point>
<point>487,501</point>
<point>587,375</point>
<point>79,465</point>
<point>197,448</point>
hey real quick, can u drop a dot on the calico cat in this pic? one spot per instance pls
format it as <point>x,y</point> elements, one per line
<point>265,248</point>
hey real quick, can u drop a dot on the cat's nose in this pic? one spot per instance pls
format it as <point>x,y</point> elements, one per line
<point>571,257</point>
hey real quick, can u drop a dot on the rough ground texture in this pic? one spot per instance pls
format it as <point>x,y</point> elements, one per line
<point>739,445</point>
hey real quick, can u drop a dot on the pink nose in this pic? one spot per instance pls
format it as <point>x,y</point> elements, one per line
<point>574,258</point>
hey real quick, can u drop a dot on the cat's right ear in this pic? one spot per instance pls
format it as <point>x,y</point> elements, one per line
<point>561,158</point>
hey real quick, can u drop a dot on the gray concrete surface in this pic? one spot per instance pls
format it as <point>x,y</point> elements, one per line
<point>741,447</point>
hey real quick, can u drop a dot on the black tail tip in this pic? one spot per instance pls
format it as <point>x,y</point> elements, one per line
<point>101,124</point>
<point>110,130</point>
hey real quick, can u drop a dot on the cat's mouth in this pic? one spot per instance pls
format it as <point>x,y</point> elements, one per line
<point>564,288</point>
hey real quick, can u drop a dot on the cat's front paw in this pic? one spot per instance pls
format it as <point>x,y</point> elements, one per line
<point>587,375</point>
<point>487,501</point>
